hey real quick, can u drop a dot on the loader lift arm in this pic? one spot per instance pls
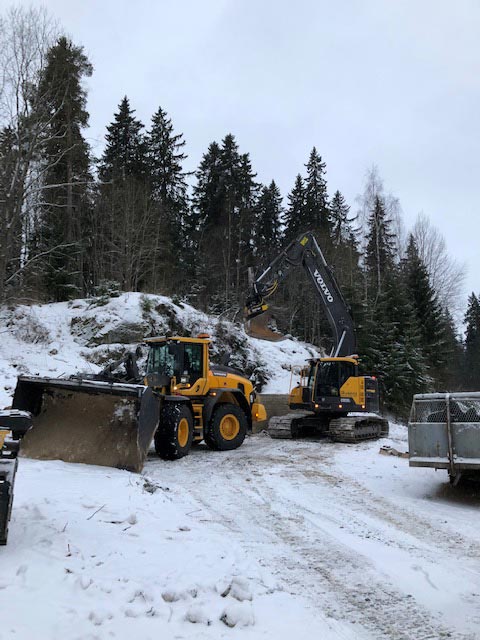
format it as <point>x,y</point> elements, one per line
<point>305,252</point>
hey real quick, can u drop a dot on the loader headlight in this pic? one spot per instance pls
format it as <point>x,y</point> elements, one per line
<point>184,379</point>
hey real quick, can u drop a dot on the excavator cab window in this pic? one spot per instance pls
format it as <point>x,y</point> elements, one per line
<point>331,375</point>
<point>310,379</point>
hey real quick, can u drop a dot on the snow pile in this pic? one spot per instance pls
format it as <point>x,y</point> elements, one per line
<point>85,335</point>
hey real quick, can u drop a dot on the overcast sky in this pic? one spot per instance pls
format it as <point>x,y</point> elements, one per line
<point>394,83</point>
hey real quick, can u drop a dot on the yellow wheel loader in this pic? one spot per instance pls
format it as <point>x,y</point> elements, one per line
<point>13,426</point>
<point>108,421</point>
<point>331,396</point>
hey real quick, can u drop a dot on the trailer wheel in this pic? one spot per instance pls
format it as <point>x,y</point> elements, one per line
<point>227,427</point>
<point>174,436</point>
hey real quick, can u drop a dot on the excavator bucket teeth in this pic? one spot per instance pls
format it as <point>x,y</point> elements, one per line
<point>257,327</point>
<point>86,421</point>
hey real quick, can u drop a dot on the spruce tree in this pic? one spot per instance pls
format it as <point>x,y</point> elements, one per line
<point>317,212</point>
<point>472,345</point>
<point>204,223</point>
<point>426,308</point>
<point>379,255</point>
<point>295,214</point>
<point>171,259</point>
<point>341,225</point>
<point>450,375</point>
<point>390,344</point>
<point>64,211</point>
<point>268,214</point>
<point>125,152</point>
<point>124,215</point>
<point>224,200</point>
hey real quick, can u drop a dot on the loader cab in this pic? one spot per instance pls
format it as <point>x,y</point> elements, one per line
<point>177,359</point>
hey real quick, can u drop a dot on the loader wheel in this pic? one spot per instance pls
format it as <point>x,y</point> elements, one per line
<point>173,438</point>
<point>227,428</point>
<point>5,505</point>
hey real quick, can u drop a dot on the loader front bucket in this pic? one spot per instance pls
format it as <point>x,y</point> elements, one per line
<point>87,421</point>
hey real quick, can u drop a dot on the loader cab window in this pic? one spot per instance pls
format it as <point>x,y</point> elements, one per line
<point>178,359</point>
<point>193,362</point>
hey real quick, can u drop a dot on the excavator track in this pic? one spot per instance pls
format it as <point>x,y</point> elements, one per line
<point>345,429</point>
<point>285,427</point>
<point>358,428</point>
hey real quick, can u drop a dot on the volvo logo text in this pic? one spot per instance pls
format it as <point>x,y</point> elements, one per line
<point>323,286</point>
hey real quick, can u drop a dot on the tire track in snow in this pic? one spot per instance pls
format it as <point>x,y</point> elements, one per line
<point>304,554</point>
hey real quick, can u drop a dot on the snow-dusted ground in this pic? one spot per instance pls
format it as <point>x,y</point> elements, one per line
<point>280,539</point>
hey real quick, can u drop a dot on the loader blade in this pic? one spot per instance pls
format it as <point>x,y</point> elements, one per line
<point>87,421</point>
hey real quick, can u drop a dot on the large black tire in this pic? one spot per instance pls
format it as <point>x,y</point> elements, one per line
<point>227,427</point>
<point>5,507</point>
<point>174,436</point>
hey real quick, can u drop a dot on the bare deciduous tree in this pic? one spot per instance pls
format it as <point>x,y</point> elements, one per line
<point>447,275</point>
<point>25,36</point>
<point>366,203</point>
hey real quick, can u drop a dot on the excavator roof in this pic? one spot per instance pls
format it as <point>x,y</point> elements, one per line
<point>353,359</point>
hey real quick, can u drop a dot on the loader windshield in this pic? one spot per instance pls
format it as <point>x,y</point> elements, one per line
<point>179,359</point>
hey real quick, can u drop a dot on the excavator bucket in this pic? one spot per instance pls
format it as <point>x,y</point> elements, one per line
<point>93,422</point>
<point>257,327</point>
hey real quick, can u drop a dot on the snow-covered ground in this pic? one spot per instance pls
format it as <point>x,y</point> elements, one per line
<point>278,539</point>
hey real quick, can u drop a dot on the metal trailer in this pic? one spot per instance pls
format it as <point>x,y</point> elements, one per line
<point>444,433</point>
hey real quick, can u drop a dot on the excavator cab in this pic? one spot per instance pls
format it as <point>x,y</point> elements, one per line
<point>331,384</point>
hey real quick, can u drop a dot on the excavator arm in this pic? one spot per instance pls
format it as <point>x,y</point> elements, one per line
<point>304,251</point>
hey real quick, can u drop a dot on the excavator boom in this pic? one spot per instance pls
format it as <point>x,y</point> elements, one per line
<point>305,252</point>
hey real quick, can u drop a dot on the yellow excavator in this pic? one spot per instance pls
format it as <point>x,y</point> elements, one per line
<point>110,419</point>
<point>331,396</point>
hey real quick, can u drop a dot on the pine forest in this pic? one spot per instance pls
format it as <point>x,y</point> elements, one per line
<point>134,219</point>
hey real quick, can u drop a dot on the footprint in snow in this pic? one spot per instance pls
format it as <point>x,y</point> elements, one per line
<point>238,614</point>
<point>83,582</point>
<point>197,615</point>
<point>98,618</point>
<point>238,589</point>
